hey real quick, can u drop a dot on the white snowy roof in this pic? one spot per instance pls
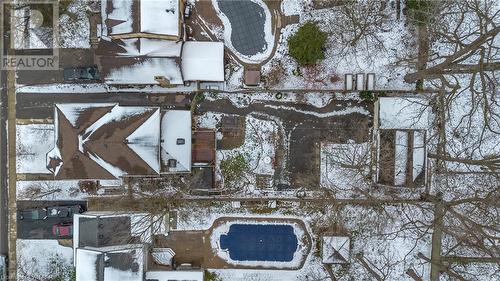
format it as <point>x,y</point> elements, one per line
<point>160,17</point>
<point>121,15</point>
<point>203,61</point>
<point>175,275</point>
<point>403,113</point>
<point>86,260</point>
<point>90,263</point>
<point>147,16</point>
<point>176,124</point>
<point>144,141</point>
<point>73,111</point>
<point>335,249</point>
<point>144,72</point>
<point>151,47</point>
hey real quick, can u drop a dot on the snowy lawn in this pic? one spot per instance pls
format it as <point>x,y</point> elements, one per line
<point>380,49</point>
<point>32,144</point>
<point>344,167</point>
<point>49,190</point>
<point>44,260</point>
<point>241,100</point>
<point>74,25</point>
<point>258,150</point>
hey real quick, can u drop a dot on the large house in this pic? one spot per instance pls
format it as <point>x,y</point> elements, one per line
<point>111,246</point>
<point>135,48</point>
<point>108,141</point>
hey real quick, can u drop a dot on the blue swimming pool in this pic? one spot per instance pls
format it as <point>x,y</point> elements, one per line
<point>260,242</point>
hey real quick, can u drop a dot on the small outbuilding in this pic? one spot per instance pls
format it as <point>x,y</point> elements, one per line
<point>335,249</point>
<point>252,77</point>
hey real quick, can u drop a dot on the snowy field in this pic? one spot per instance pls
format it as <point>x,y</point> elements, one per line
<point>74,25</point>
<point>384,235</point>
<point>344,167</point>
<point>49,190</point>
<point>258,149</point>
<point>316,99</point>
<point>33,141</point>
<point>379,52</point>
<point>43,260</point>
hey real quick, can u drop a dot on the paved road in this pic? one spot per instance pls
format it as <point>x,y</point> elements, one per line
<point>3,166</point>
<point>41,106</point>
<point>42,229</point>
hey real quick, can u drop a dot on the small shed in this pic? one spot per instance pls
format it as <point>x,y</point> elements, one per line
<point>335,249</point>
<point>252,77</point>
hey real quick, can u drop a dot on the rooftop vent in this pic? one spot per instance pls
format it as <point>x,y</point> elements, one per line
<point>181,141</point>
<point>172,163</point>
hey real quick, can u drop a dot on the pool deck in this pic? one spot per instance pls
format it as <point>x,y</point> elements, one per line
<point>194,246</point>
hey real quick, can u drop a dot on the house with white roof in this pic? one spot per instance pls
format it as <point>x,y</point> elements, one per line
<point>401,132</point>
<point>109,246</point>
<point>137,49</point>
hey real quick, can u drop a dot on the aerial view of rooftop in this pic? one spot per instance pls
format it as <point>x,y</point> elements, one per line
<point>250,140</point>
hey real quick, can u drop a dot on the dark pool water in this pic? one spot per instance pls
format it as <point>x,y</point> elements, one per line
<point>260,242</point>
<point>247,25</point>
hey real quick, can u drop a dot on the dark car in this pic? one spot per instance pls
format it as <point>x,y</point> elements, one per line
<point>62,229</point>
<point>33,214</point>
<point>64,211</point>
<point>82,74</point>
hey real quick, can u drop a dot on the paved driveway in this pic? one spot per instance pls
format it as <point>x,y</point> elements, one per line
<point>306,126</point>
<point>42,229</point>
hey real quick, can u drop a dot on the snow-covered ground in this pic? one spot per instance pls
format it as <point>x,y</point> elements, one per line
<point>97,88</point>
<point>258,149</point>
<point>49,190</point>
<point>316,99</point>
<point>43,260</point>
<point>33,141</point>
<point>384,235</point>
<point>380,56</point>
<point>344,167</point>
<point>74,26</point>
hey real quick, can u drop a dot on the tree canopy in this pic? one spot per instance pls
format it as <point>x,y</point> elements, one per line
<point>307,45</point>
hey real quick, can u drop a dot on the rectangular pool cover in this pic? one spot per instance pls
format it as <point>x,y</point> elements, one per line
<point>260,242</point>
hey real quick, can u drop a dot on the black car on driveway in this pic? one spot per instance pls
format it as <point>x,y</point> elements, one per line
<point>33,214</point>
<point>76,74</point>
<point>63,211</point>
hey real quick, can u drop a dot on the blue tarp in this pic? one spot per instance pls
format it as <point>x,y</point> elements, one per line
<point>260,242</point>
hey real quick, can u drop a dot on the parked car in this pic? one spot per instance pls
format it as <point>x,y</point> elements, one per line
<point>62,229</point>
<point>33,214</point>
<point>64,211</point>
<point>81,73</point>
<point>187,11</point>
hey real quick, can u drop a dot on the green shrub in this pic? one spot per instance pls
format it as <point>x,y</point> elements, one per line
<point>308,44</point>
<point>233,168</point>
<point>211,276</point>
<point>366,95</point>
